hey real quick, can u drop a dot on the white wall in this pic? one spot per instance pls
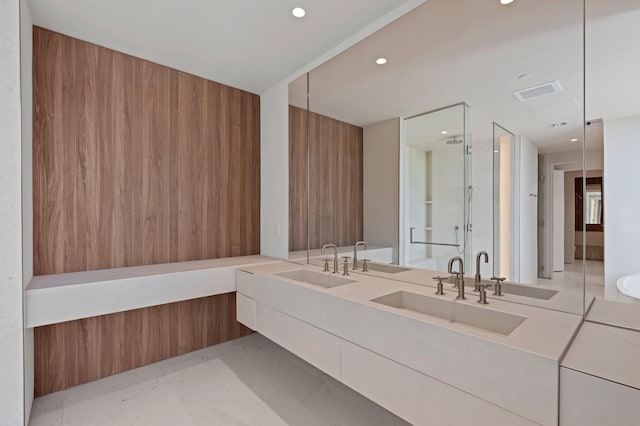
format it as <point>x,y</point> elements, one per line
<point>418,177</point>
<point>528,212</point>
<point>448,202</point>
<point>11,287</point>
<point>26,60</point>
<point>274,172</point>
<point>381,150</point>
<point>621,201</point>
<point>558,220</point>
<point>482,203</point>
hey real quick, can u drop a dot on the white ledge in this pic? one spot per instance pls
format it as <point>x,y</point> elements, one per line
<point>51,299</point>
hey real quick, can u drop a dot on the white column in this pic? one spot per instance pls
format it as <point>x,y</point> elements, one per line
<point>11,291</point>
<point>621,201</point>
<point>274,172</point>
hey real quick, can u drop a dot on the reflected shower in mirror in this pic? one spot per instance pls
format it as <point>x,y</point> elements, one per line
<point>436,195</point>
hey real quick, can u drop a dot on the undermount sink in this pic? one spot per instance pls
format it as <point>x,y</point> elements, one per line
<point>385,267</point>
<point>315,278</point>
<point>454,312</point>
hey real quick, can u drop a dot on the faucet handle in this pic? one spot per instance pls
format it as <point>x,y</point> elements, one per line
<point>440,286</point>
<point>498,288</point>
<point>482,288</point>
<point>346,265</point>
<point>455,277</point>
<point>365,265</point>
<point>326,263</point>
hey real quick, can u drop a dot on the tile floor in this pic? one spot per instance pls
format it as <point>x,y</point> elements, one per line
<point>572,278</point>
<point>248,381</point>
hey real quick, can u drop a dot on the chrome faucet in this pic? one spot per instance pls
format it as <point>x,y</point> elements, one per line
<point>335,255</point>
<point>459,275</point>
<point>355,253</point>
<point>478,277</point>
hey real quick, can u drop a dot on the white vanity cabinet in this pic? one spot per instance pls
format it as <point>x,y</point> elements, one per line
<point>586,400</point>
<point>600,378</point>
<point>417,398</point>
<point>316,346</point>
<point>245,304</point>
<point>418,370</point>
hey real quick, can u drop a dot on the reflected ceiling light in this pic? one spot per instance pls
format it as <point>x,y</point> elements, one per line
<point>574,140</point>
<point>381,61</point>
<point>506,1</point>
<point>298,12</point>
<point>444,132</point>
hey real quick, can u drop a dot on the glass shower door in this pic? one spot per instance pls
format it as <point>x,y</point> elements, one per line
<point>437,194</point>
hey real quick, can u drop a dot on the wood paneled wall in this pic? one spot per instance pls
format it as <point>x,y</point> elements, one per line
<point>336,181</point>
<point>136,163</point>
<point>75,352</point>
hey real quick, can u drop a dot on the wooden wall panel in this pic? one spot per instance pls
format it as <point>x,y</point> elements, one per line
<point>336,214</point>
<point>75,352</point>
<point>136,163</point>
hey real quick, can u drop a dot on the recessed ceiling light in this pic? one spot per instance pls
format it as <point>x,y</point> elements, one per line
<point>444,132</point>
<point>506,1</point>
<point>574,140</point>
<point>298,12</point>
<point>381,61</point>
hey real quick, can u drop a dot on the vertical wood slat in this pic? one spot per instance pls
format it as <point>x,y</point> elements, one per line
<point>136,163</point>
<point>336,214</point>
<point>75,352</point>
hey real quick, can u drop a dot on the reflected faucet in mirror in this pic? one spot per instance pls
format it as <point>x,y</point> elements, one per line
<point>459,275</point>
<point>335,255</point>
<point>355,252</point>
<point>478,276</point>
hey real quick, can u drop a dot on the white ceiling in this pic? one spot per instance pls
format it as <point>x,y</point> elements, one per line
<point>248,44</point>
<point>473,51</point>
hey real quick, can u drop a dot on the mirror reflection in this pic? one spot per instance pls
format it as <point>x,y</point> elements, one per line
<point>607,238</point>
<point>523,126</point>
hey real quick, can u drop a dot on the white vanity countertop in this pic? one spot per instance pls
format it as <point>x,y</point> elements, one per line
<point>611,353</point>
<point>51,299</point>
<point>615,313</point>
<point>545,332</point>
<point>84,277</point>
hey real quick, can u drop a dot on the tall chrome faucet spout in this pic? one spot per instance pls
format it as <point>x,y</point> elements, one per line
<point>335,255</point>
<point>459,275</point>
<point>355,252</point>
<point>486,260</point>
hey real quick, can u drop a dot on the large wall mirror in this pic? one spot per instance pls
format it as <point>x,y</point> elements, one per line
<point>608,240</point>
<point>470,138</point>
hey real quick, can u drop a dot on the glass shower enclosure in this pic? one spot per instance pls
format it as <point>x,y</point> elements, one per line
<point>437,190</point>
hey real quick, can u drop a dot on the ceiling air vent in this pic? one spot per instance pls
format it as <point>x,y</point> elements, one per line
<point>538,91</point>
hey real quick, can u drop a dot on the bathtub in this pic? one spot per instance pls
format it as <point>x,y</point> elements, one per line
<point>629,285</point>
